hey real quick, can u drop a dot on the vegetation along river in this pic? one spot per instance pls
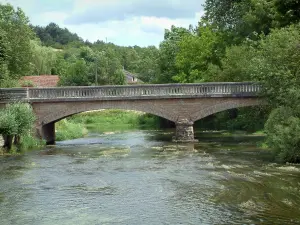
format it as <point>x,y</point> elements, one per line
<point>139,177</point>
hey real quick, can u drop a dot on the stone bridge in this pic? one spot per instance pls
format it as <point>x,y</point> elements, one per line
<point>181,103</point>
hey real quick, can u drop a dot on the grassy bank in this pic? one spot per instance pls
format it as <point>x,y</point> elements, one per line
<point>28,142</point>
<point>67,129</point>
<point>103,121</point>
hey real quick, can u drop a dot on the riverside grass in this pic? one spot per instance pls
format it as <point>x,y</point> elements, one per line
<point>77,126</point>
<point>28,142</point>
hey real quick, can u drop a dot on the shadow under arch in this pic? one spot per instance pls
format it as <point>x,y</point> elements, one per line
<point>223,106</point>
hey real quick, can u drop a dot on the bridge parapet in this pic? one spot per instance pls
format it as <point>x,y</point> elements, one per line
<point>242,89</point>
<point>146,91</point>
<point>13,94</point>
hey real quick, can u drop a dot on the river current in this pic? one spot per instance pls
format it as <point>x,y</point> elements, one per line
<point>139,177</point>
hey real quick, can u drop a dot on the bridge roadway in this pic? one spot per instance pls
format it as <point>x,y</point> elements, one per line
<point>181,103</point>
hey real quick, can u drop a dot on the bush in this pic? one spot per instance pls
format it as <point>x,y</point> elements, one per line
<point>67,130</point>
<point>23,115</point>
<point>16,120</point>
<point>30,142</point>
<point>8,123</point>
<point>148,121</point>
<point>283,134</point>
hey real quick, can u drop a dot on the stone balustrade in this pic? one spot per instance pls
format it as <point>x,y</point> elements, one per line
<point>241,89</point>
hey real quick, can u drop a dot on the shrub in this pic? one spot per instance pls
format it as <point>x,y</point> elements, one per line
<point>283,134</point>
<point>67,130</point>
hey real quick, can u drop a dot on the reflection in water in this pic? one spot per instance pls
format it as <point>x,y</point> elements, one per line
<point>141,178</point>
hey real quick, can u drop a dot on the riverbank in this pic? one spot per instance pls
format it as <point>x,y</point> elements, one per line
<point>102,121</point>
<point>28,142</point>
<point>106,121</point>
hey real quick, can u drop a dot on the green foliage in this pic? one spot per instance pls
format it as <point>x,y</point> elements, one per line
<point>195,53</point>
<point>67,130</point>
<point>241,19</point>
<point>8,123</point>
<point>276,65</point>
<point>249,119</point>
<point>15,39</point>
<point>16,120</point>
<point>31,142</point>
<point>23,116</point>
<point>148,121</point>
<point>76,74</point>
<point>288,11</point>
<point>283,134</point>
<point>43,58</point>
<point>235,64</point>
<point>27,83</point>
<point>53,35</point>
<point>168,51</point>
<point>5,80</point>
<point>106,120</point>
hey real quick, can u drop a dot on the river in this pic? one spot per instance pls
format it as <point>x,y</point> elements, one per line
<point>138,177</point>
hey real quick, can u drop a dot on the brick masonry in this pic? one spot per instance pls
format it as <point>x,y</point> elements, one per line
<point>171,109</point>
<point>184,112</point>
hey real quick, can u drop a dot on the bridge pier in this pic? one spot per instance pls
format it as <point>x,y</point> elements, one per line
<point>47,133</point>
<point>184,131</point>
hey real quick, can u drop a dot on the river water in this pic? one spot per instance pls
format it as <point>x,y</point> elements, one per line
<point>138,177</point>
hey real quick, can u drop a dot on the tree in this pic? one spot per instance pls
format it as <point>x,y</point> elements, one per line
<point>43,58</point>
<point>76,74</point>
<point>241,19</point>
<point>24,118</point>
<point>17,51</point>
<point>276,66</point>
<point>283,134</point>
<point>54,36</point>
<point>15,120</point>
<point>169,48</point>
<point>235,64</point>
<point>196,51</point>
<point>288,11</point>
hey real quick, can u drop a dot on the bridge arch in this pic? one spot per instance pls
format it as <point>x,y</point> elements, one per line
<point>223,106</point>
<point>61,111</point>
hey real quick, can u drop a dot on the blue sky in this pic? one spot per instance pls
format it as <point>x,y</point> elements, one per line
<point>123,22</point>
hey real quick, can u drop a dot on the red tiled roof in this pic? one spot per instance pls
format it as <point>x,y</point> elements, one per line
<point>40,81</point>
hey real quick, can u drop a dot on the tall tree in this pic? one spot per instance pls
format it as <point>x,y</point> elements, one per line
<point>15,36</point>
<point>169,48</point>
<point>196,51</point>
<point>43,58</point>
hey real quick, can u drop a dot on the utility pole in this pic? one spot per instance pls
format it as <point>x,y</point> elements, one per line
<point>96,75</point>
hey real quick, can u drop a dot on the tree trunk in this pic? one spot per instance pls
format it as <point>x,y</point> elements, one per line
<point>8,140</point>
<point>17,140</point>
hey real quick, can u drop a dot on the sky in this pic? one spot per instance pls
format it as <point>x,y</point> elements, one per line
<point>123,22</point>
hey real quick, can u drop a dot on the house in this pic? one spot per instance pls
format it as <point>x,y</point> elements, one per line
<point>131,78</point>
<point>39,81</point>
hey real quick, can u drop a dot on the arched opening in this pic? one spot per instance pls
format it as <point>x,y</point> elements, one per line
<point>77,125</point>
<point>247,118</point>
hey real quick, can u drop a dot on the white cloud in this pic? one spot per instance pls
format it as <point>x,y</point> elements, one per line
<point>123,22</point>
<point>92,11</point>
